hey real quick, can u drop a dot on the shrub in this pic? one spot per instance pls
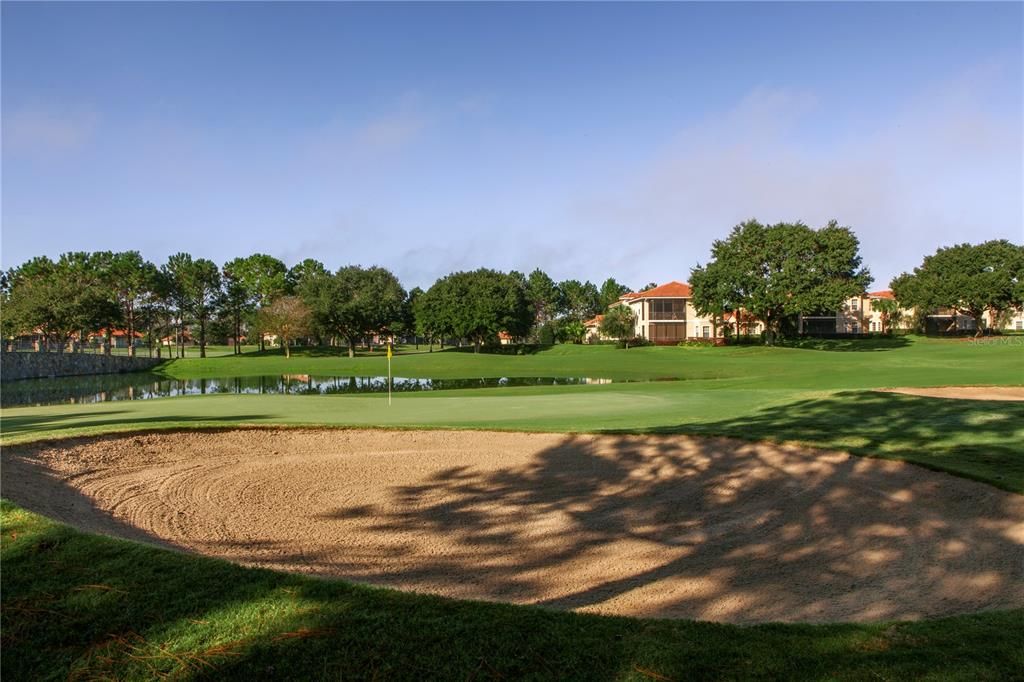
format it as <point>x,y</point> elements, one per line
<point>635,342</point>
<point>700,343</point>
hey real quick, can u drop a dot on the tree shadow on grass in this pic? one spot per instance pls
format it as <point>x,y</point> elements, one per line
<point>982,440</point>
<point>855,345</point>
<point>81,606</point>
<point>510,349</point>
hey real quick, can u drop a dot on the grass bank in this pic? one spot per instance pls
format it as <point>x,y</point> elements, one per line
<point>79,606</point>
<point>822,365</point>
<point>975,439</point>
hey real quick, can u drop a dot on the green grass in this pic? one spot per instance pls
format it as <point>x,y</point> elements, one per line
<point>975,439</point>
<point>900,361</point>
<point>79,606</point>
<point>82,606</point>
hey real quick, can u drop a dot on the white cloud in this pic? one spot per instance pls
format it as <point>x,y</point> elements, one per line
<point>340,140</point>
<point>390,132</point>
<point>477,103</point>
<point>45,131</point>
<point>942,167</point>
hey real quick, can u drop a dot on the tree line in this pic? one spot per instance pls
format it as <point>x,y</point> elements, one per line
<point>776,273</point>
<point>772,273</point>
<point>189,299</point>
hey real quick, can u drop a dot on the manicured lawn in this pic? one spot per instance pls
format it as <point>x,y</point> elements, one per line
<point>79,606</point>
<point>980,440</point>
<point>901,361</point>
<point>83,606</point>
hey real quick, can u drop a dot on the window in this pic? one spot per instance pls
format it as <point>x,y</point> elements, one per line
<point>668,332</point>
<point>706,331</point>
<point>874,326</point>
<point>820,325</point>
<point>853,304</point>
<point>1019,325</point>
<point>668,309</point>
<point>855,328</point>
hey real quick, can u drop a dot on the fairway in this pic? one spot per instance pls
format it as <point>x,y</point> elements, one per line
<point>625,499</point>
<point>809,364</point>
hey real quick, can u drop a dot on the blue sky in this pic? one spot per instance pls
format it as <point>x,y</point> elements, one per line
<point>590,140</point>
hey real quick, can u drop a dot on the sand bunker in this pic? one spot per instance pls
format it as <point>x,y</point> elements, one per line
<point>964,392</point>
<point>676,527</point>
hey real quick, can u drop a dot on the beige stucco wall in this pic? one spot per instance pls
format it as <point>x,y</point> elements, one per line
<point>859,316</point>
<point>694,322</point>
<point>1015,321</point>
<point>639,309</point>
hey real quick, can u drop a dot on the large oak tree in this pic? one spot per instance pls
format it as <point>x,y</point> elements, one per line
<point>777,272</point>
<point>354,302</point>
<point>263,278</point>
<point>476,305</point>
<point>967,278</point>
<point>58,300</point>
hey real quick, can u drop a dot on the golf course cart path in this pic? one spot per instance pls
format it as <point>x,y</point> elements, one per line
<point>660,526</point>
<point>1013,393</point>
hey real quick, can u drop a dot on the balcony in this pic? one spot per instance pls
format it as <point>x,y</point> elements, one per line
<point>667,316</point>
<point>666,310</point>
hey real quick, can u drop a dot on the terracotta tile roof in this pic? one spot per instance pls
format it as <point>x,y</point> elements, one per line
<point>672,289</point>
<point>118,333</point>
<point>744,316</point>
<point>594,321</point>
<point>884,293</point>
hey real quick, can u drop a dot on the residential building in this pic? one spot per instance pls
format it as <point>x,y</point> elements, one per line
<point>665,315</point>
<point>742,323</point>
<point>118,338</point>
<point>858,315</point>
<point>593,332</point>
<point>1012,321</point>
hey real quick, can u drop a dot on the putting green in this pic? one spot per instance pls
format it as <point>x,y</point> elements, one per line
<point>976,439</point>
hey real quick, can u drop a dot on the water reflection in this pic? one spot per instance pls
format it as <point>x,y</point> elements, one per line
<point>110,387</point>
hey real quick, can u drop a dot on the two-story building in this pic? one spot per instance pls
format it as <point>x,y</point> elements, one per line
<point>859,315</point>
<point>665,314</point>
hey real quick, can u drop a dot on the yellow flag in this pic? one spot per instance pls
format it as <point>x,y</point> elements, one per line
<point>389,351</point>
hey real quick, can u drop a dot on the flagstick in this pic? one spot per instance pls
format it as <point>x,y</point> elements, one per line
<point>389,375</point>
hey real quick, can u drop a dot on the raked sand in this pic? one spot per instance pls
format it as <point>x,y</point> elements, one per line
<point>660,526</point>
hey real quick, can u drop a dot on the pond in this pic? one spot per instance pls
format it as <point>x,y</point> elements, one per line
<point>142,386</point>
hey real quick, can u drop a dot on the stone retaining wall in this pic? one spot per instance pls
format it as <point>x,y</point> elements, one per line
<point>42,365</point>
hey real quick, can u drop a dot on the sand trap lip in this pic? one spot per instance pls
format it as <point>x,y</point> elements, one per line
<point>964,392</point>
<point>670,526</point>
